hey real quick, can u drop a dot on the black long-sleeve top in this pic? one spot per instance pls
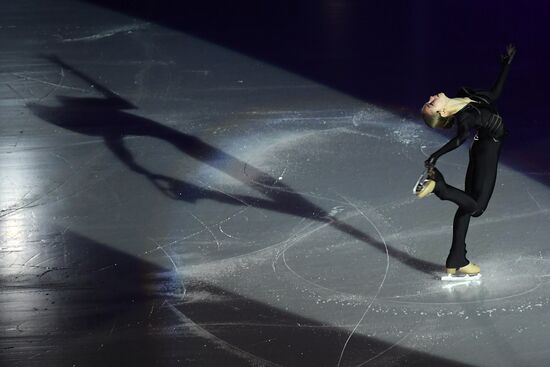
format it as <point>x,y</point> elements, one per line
<point>481,114</point>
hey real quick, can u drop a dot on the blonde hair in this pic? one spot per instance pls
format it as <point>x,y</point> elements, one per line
<point>435,120</point>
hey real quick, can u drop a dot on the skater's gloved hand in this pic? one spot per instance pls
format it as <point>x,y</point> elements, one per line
<point>508,56</point>
<point>430,162</point>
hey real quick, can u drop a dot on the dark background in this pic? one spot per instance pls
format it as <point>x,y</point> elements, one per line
<point>392,53</point>
<point>389,52</point>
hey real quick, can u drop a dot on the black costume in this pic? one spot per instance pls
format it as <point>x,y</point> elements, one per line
<point>482,116</point>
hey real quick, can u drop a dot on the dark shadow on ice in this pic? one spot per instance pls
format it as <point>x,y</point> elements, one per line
<point>105,118</point>
<point>79,302</point>
<point>288,339</point>
<point>98,306</point>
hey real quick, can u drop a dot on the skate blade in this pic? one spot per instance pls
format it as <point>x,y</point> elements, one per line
<point>418,186</point>
<point>423,185</point>
<point>451,286</point>
<point>460,277</point>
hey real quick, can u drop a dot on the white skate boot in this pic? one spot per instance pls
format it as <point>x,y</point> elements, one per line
<point>425,185</point>
<point>465,273</point>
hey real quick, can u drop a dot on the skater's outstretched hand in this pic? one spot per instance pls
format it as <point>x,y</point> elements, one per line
<point>508,56</point>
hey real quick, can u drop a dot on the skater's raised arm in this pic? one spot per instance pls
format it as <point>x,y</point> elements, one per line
<point>506,60</point>
<point>462,134</point>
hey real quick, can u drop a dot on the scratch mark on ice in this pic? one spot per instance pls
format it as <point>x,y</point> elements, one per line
<point>379,287</point>
<point>385,350</point>
<point>207,228</point>
<point>57,85</point>
<point>202,332</point>
<point>534,200</point>
<point>28,78</point>
<point>112,328</point>
<point>210,187</point>
<point>175,267</point>
<point>228,219</point>
<point>293,239</point>
<point>280,176</point>
<point>108,33</point>
<point>16,92</point>
<point>31,259</point>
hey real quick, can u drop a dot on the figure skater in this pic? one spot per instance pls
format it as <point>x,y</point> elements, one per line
<point>470,109</point>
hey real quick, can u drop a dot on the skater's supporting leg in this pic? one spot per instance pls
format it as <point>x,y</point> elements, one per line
<point>482,172</point>
<point>480,182</point>
<point>466,206</point>
<point>457,254</point>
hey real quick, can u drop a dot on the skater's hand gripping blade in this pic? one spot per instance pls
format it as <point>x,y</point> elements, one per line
<point>460,277</point>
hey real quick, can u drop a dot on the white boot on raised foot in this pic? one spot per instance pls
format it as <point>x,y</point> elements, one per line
<point>424,186</point>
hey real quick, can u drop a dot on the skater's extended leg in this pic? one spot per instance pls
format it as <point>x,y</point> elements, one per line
<point>447,192</point>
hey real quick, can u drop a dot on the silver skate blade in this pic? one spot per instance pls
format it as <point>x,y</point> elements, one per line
<point>460,277</point>
<point>450,286</point>
<point>421,179</point>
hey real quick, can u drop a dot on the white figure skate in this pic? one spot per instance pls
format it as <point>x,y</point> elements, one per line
<point>465,273</point>
<point>425,185</point>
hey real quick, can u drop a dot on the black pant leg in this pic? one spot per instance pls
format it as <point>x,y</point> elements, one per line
<point>445,191</point>
<point>487,154</point>
<point>466,206</point>
<point>480,183</point>
<point>457,254</point>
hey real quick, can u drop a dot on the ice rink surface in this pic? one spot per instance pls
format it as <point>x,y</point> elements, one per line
<point>167,201</point>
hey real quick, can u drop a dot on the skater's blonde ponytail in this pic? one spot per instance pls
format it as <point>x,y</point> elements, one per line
<point>436,121</point>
